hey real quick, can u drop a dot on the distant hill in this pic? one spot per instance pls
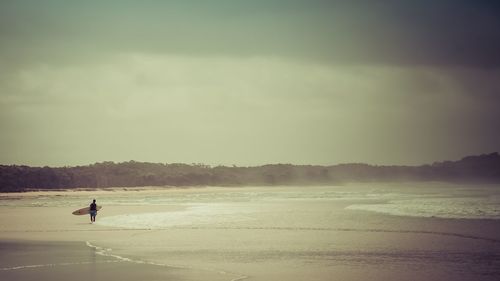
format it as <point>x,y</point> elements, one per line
<point>472,169</point>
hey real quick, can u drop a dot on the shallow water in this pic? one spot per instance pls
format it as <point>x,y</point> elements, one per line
<point>40,261</point>
<point>416,200</point>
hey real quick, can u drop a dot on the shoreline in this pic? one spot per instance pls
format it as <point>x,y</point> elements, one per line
<point>187,188</point>
<point>50,260</point>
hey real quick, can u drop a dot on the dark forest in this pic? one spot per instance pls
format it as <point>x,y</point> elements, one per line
<point>472,169</point>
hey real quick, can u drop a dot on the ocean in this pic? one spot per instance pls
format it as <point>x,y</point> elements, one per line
<point>411,231</point>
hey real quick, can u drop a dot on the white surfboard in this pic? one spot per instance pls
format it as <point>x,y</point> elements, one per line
<point>85,211</point>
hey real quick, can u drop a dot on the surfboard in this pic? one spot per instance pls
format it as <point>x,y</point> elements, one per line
<point>84,211</point>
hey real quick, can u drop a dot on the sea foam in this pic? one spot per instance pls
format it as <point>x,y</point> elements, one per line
<point>456,208</point>
<point>194,215</point>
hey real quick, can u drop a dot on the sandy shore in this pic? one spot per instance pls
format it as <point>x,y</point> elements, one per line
<point>265,240</point>
<point>28,260</point>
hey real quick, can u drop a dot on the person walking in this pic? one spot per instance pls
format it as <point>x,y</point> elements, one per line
<point>93,211</point>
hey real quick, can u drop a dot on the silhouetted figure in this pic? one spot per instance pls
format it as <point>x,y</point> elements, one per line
<point>93,211</point>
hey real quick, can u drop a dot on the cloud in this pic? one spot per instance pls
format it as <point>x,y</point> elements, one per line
<point>245,110</point>
<point>423,33</point>
<point>250,82</point>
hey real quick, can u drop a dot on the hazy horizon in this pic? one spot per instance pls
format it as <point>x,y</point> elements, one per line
<point>248,82</point>
<point>259,165</point>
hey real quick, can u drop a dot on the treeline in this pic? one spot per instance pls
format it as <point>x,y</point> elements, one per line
<point>483,168</point>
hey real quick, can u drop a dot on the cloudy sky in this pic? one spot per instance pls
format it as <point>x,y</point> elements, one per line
<point>248,82</point>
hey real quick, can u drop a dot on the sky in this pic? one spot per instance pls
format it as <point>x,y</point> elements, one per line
<point>248,82</point>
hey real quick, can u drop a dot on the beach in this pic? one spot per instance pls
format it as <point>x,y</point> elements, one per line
<point>353,232</point>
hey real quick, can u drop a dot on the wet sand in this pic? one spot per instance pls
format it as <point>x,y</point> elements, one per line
<point>269,240</point>
<point>28,260</point>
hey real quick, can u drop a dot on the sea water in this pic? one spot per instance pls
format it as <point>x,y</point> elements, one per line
<point>218,205</point>
<point>354,232</point>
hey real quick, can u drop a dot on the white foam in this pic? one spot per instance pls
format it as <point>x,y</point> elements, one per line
<point>107,252</point>
<point>202,214</point>
<point>458,208</point>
